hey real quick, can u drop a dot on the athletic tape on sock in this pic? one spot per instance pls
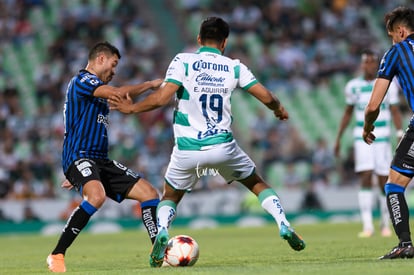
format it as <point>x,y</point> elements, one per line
<point>393,188</point>
<point>89,208</point>
<point>153,202</point>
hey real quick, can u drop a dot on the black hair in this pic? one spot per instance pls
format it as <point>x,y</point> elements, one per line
<point>370,52</point>
<point>105,47</point>
<point>214,28</point>
<point>400,15</point>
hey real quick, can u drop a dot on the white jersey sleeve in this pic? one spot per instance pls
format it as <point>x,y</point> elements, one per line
<point>176,71</point>
<point>247,79</point>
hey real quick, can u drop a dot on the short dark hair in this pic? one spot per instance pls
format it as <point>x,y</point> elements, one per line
<point>214,28</point>
<point>400,15</point>
<point>105,47</point>
<point>370,52</point>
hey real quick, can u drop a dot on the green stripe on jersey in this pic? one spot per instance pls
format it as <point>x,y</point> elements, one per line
<point>383,139</point>
<point>363,89</point>
<point>378,123</point>
<point>182,93</point>
<point>193,144</point>
<point>250,85</point>
<point>237,72</point>
<point>181,119</point>
<point>173,81</point>
<point>186,69</point>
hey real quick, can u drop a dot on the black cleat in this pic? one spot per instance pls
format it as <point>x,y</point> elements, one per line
<point>399,253</point>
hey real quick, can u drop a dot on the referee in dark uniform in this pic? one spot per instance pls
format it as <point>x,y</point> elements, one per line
<point>85,159</point>
<point>397,61</point>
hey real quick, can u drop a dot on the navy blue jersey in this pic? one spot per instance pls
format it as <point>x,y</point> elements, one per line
<point>86,120</point>
<point>399,61</point>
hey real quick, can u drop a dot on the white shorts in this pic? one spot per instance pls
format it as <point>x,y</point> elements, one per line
<point>226,159</point>
<point>376,157</point>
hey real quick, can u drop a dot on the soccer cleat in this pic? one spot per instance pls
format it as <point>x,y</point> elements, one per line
<point>295,241</point>
<point>365,234</point>
<point>399,252</point>
<point>158,249</point>
<point>56,263</point>
<point>386,232</point>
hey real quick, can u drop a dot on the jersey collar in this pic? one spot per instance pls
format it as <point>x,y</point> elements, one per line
<point>208,49</point>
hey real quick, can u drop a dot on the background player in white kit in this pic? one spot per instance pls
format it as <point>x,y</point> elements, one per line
<point>372,159</point>
<point>202,84</point>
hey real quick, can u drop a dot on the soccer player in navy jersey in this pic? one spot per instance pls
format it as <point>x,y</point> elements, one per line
<point>85,159</point>
<point>397,61</point>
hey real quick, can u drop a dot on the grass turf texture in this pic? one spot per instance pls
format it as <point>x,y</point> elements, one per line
<point>331,249</point>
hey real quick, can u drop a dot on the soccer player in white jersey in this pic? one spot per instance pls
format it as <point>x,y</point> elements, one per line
<point>374,159</point>
<point>202,84</point>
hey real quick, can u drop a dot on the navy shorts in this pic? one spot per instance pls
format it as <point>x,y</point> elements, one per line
<point>115,177</point>
<point>403,161</point>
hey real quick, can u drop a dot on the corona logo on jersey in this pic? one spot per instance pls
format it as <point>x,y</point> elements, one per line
<point>200,64</point>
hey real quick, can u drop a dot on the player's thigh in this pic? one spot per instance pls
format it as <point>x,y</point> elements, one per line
<point>181,170</point>
<point>82,171</point>
<point>403,161</point>
<point>142,190</point>
<point>118,180</point>
<point>187,167</point>
<point>237,166</point>
<point>364,156</point>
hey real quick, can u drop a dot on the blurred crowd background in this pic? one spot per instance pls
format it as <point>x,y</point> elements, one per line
<point>303,50</point>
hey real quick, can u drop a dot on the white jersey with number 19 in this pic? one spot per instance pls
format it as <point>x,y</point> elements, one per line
<point>203,113</point>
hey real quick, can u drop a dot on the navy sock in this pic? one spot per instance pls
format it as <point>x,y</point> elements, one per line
<point>149,217</point>
<point>399,213</point>
<point>74,226</point>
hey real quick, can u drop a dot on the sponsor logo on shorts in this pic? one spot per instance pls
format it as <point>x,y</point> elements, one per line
<point>84,168</point>
<point>128,171</point>
<point>205,171</point>
<point>407,166</point>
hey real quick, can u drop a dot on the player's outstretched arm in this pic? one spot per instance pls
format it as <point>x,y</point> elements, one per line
<point>270,100</point>
<point>160,97</point>
<point>106,91</point>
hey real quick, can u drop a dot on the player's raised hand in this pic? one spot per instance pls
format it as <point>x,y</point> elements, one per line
<point>120,103</point>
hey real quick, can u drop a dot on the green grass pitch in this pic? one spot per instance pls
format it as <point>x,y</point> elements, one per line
<point>331,249</point>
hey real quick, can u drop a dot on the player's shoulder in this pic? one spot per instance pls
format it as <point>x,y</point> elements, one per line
<point>87,77</point>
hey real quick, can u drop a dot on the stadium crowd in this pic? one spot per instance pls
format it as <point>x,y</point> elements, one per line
<point>293,46</point>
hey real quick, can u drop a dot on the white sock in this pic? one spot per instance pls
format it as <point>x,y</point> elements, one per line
<point>166,212</point>
<point>272,205</point>
<point>385,215</point>
<point>365,199</point>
